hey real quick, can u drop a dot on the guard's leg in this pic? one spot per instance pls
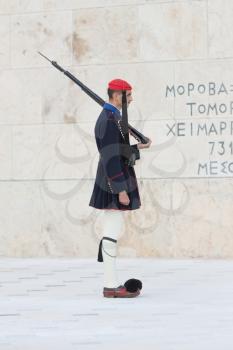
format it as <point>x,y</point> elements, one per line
<point>113,222</point>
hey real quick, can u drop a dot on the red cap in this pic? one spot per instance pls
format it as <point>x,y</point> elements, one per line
<point>119,84</point>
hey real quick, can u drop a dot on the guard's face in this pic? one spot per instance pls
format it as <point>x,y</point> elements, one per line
<point>129,97</point>
<point>118,98</point>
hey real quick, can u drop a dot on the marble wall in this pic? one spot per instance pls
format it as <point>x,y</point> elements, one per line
<point>178,55</point>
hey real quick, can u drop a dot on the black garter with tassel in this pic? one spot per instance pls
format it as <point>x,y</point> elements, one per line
<point>100,255</point>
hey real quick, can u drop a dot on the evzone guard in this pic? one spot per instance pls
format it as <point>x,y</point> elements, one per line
<point>115,188</point>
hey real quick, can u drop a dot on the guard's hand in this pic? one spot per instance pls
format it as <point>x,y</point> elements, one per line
<point>124,198</point>
<point>144,145</point>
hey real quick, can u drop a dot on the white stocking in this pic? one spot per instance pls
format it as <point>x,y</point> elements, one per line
<point>113,222</point>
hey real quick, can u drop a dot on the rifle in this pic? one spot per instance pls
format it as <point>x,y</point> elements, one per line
<point>135,133</point>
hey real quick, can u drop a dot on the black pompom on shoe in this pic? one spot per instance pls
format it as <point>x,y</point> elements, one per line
<point>132,285</point>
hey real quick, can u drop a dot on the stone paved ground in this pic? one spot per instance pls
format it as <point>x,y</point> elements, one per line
<point>58,304</point>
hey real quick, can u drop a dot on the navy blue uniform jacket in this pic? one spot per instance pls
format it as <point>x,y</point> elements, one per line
<point>113,175</point>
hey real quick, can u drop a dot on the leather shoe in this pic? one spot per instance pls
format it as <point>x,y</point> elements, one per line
<point>119,292</point>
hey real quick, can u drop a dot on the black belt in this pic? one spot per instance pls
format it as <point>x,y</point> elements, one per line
<point>125,161</point>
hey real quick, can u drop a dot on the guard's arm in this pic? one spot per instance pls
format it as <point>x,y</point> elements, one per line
<point>111,157</point>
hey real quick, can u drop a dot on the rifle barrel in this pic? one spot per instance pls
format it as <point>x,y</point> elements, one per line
<point>135,133</point>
